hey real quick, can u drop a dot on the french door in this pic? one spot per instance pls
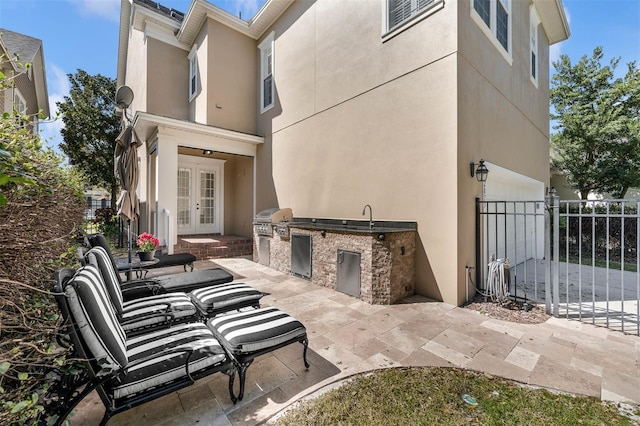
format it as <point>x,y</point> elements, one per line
<point>200,195</point>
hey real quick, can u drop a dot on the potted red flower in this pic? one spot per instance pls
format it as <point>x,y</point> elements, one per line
<point>147,244</point>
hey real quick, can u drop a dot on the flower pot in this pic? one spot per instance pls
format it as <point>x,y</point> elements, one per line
<point>146,256</point>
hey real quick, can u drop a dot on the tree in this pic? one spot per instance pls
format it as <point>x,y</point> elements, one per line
<point>91,127</point>
<point>598,140</point>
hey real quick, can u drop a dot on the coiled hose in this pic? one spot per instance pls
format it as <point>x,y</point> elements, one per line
<point>497,288</point>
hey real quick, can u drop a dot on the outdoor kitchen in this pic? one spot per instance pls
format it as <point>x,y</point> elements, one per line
<point>372,261</point>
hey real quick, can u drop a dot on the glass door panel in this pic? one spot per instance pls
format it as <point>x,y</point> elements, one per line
<point>184,200</point>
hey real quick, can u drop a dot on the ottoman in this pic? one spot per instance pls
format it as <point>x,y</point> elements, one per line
<point>249,334</point>
<point>214,300</point>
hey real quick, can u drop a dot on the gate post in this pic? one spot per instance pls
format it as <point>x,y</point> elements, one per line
<point>556,253</point>
<point>552,230</point>
<point>547,253</point>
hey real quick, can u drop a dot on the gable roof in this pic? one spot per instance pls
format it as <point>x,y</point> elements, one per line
<point>28,49</point>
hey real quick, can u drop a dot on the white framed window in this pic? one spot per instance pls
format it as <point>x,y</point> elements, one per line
<point>534,22</point>
<point>494,19</point>
<point>399,12</point>
<point>193,72</point>
<point>19,104</point>
<point>266,73</point>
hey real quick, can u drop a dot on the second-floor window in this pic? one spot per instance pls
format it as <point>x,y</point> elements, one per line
<point>534,21</point>
<point>400,12</point>
<point>193,72</point>
<point>496,15</point>
<point>266,73</point>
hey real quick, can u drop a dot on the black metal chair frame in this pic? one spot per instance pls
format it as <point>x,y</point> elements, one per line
<point>88,381</point>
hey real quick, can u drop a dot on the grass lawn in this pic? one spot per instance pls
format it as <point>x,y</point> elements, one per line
<point>434,396</point>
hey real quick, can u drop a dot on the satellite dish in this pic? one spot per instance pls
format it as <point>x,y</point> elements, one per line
<point>124,96</point>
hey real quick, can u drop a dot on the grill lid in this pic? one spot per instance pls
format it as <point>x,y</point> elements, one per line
<point>274,215</point>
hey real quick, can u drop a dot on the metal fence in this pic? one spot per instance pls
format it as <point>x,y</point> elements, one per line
<point>512,234</point>
<point>595,262</point>
<point>99,217</point>
<point>580,257</point>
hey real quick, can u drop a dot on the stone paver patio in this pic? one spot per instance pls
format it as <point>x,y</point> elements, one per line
<point>348,336</point>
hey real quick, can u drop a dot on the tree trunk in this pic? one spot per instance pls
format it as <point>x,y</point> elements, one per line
<point>114,195</point>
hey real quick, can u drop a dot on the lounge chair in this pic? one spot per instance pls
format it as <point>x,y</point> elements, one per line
<point>127,371</point>
<point>162,310</point>
<point>130,371</point>
<point>165,283</point>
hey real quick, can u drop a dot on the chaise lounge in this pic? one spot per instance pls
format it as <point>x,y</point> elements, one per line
<point>164,283</point>
<point>163,310</point>
<point>129,370</point>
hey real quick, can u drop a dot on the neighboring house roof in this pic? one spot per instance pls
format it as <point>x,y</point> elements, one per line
<point>28,49</point>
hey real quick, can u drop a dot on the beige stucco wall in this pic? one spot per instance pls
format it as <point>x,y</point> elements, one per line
<point>231,62</point>
<point>167,79</point>
<point>502,116</point>
<point>352,126</point>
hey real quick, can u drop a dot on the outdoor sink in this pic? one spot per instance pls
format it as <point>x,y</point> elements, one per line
<point>348,225</point>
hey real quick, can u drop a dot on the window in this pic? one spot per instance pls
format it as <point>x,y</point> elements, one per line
<point>193,72</point>
<point>399,12</point>
<point>266,73</point>
<point>494,17</point>
<point>534,21</point>
<point>20,107</point>
<point>19,104</point>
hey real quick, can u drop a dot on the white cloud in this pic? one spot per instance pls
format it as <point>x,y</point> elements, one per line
<point>58,85</point>
<point>108,9</point>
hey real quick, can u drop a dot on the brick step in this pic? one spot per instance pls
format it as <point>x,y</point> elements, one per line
<point>214,246</point>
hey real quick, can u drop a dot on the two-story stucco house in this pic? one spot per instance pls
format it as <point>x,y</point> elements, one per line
<point>325,106</point>
<point>27,93</point>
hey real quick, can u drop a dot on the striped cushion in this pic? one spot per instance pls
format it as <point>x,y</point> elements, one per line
<point>225,297</point>
<point>161,369</point>
<point>99,258</point>
<point>138,314</point>
<point>157,310</point>
<point>95,317</point>
<point>257,329</point>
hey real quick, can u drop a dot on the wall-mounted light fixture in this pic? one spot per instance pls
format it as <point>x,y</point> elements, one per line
<point>481,172</point>
<point>207,152</point>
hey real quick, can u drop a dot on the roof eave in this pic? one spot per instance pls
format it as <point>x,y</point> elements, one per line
<point>553,19</point>
<point>123,42</point>
<point>200,10</point>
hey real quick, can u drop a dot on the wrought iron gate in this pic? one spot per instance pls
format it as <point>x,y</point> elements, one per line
<point>578,257</point>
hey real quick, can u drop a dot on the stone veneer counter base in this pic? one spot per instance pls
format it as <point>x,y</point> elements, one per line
<point>387,255</point>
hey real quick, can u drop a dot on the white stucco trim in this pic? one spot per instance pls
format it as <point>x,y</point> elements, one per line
<point>239,143</point>
<point>163,34</point>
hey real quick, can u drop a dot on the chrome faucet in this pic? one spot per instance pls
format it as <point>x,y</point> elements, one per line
<point>370,215</point>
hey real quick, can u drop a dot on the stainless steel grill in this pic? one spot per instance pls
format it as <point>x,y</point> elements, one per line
<point>266,220</point>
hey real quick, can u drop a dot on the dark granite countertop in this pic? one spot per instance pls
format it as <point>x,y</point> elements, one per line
<point>352,226</point>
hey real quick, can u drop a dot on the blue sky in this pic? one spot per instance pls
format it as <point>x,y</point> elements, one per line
<point>83,34</point>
